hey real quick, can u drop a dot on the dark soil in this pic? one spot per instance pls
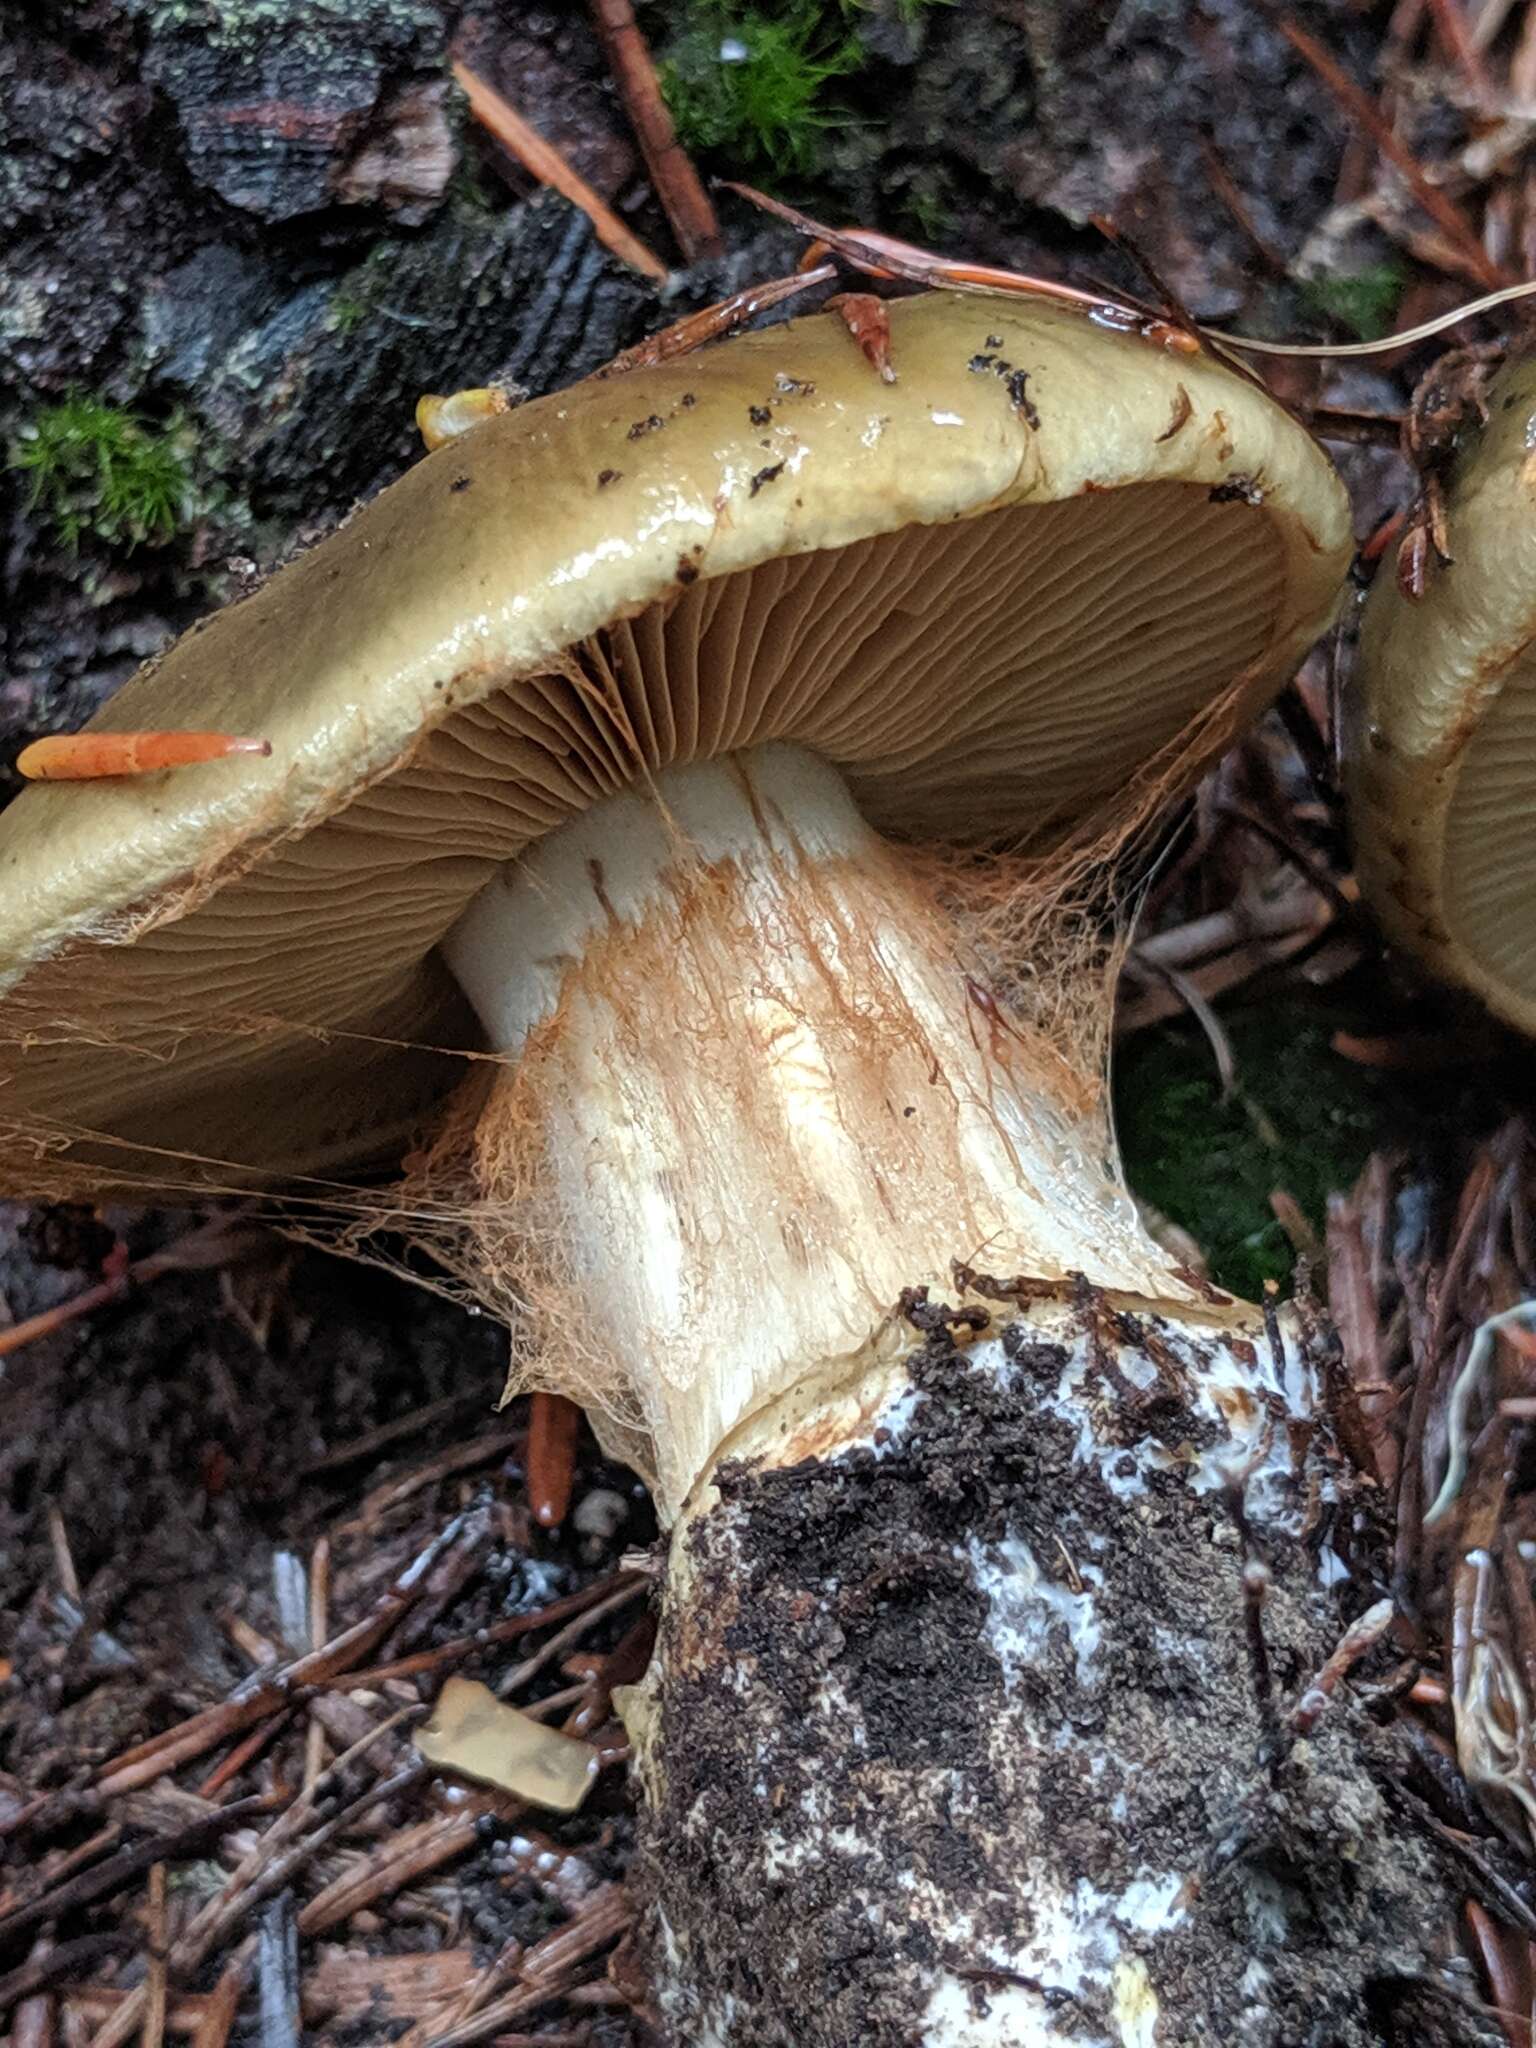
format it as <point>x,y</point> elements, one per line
<point>181,1451</point>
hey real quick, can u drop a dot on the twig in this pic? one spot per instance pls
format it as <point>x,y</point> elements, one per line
<point>54,1871</point>
<point>212,1244</point>
<point>343,1986</point>
<point>59,1965</point>
<point>1476,1199</point>
<point>1359,1637</point>
<point>1230,194</point>
<point>375,1440</point>
<point>1200,938</point>
<point>277,1974</point>
<point>1459,1844</point>
<point>1468,1381</point>
<point>676,183</point>
<point>63,1557</point>
<point>573,1632</point>
<point>544,162</point>
<point>462,1457</point>
<point>319,1628</point>
<point>1296,1224</point>
<point>544,1970</point>
<point>1188,992</point>
<point>499,1632</point>
<point>154,1975</point>
<point>1490,20</point>
<point>32,2026</point>
<point>1359,106</point>
<point>90,2004</point>
<point>1305,866</point>
<point>1501,1977</point>
<point>1459,44</point>
<point>102,1879</point>
<point>262,1696</point>
<point>224,2002</point>
<point>243,1753</point>
<point>397,1862</point>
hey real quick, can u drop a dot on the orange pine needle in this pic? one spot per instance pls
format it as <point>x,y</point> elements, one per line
<point>89,756</point>
<point>1472,257</point>
<point>880,255</point>
<point>546,163</point>
<point>673,178</point>
<point>868,322</point>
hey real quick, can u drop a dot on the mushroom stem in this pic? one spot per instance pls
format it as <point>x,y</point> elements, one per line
<point>758,1095</point>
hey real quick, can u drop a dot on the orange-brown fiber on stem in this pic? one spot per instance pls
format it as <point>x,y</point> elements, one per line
<point>780,1190</point>
<point>1046,926</point>
<point>1043,927</point>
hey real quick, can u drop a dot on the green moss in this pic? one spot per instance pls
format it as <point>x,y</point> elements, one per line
<point>751,82</point>
<point>1363,301</point>
<point>347,312</point>
<point>1301,1119</point>
<point>926,207</point>
<point>93,468</point>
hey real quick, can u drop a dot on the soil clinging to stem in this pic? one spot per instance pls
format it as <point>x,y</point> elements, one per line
<point>862,1704</point>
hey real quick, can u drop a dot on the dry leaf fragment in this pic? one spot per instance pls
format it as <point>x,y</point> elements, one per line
<point>479,1736</point>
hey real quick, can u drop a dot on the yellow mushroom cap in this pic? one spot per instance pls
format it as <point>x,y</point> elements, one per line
<point>1441,747</point>
<point>990,594</point>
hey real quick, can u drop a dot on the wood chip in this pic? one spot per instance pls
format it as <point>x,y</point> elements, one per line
<point>481,1737</point>
<point>347,1985</point>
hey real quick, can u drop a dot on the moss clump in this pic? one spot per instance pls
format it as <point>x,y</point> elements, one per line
<point>347,312</point>
<point>1301,1119</point>
<point>752,83</point>
<point>1363,301</point>
<point>93,468</point>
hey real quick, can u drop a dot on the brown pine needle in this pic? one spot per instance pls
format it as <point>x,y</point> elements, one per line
<point>398,1861</point>
<point>211,1244</point>
<point>153,2035</point>
<point>546,163</point>
<point>677,184</point>
<point>1455,35</point>
<point>319,1630</point>
<point>223,2004</point>
<point>1358,104</point>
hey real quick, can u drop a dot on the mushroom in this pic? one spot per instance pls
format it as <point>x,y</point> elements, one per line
<point>1443,731</point>
<point>620,754</point>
